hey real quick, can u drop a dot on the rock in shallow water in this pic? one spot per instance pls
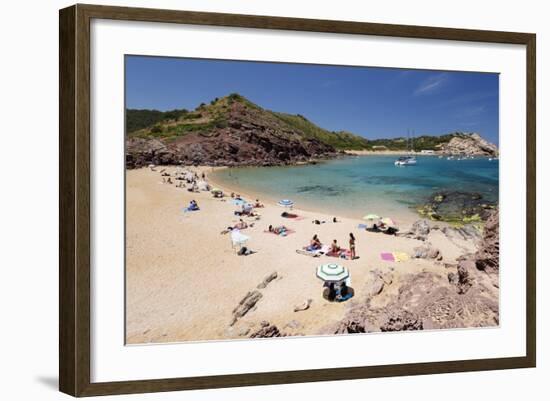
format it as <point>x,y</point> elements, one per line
<point>457,206</point>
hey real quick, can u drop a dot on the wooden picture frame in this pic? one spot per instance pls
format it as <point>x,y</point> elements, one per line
<point>74,203</point>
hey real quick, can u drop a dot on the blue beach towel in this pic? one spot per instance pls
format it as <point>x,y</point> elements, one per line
<point>362,226</point>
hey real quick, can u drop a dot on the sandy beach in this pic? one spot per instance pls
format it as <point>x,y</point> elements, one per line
<point>184,279</point>
<point>379,152</point>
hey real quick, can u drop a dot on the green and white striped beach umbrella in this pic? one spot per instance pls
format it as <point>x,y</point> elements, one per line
<point>332,272</point>
<point>371,216</point>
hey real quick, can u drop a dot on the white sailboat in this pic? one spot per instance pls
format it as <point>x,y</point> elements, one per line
<point>409,160</point>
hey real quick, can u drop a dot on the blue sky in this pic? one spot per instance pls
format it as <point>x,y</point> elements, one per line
<point>372,102</point>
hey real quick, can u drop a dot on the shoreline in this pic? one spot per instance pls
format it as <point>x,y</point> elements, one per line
<point>405,217</point>
<point>380,153</point>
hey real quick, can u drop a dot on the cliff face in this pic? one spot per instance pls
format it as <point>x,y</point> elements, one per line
<point>487,256</point>
<point>469,144</point>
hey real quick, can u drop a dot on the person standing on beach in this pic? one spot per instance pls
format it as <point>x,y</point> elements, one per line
<point>352,245</point>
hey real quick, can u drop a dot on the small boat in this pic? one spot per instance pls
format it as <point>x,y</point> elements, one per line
<point>405,161</point>
<point>409,160</point>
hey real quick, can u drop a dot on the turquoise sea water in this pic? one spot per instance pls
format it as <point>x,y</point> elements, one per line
<point>355,186</point>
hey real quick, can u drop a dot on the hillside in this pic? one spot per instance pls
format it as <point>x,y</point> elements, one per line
<point>427,142</point>
<point>231,131</point>
<point>454,143</point>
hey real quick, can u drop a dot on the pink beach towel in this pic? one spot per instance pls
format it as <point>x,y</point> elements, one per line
<point>342,252</point>
<point>387,256</point>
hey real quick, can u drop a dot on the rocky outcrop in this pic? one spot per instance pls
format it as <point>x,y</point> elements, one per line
<point>470,144</point>
<point>419,230</point>
<point>303,306</point>
<point>402,320</point>
<point>267,330</point>
<point>462,295</point>
<point>457,206</point>
<point>142,152</point>
<point>427,251</point>
<point>487,256</point>
<point>376,280</point>
<point>268,279</point>
<point>245,305</point>
<point>425,301</point>
<point>467,232</point>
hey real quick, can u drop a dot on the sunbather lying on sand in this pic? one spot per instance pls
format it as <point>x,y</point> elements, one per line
<point>241,225</point>
<point>389,230</point>
<point>249,214</point>
<point>373,229</point>
<point>289,215</point>
<point>277,230</point>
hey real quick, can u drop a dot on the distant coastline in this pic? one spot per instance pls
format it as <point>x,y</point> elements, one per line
<point>376,152</point>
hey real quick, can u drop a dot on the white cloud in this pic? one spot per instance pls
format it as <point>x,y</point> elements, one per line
<point>431,84</point>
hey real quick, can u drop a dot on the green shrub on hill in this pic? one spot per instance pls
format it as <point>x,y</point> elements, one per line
<point>137,119</point>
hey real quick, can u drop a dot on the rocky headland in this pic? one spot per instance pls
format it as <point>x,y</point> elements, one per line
<point>471,144</point>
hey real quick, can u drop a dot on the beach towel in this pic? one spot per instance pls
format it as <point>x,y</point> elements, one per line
<point>306,250</point>
<point>238,239</point>
<point>308,253</point>
<point>362,226</point>
<point>387,256</point>
<point>239,202</point>
<point>342,253</point>
<point>294,217</point>
<point>186,209</point>
<point>340,298</point>
<point>400,256</point>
